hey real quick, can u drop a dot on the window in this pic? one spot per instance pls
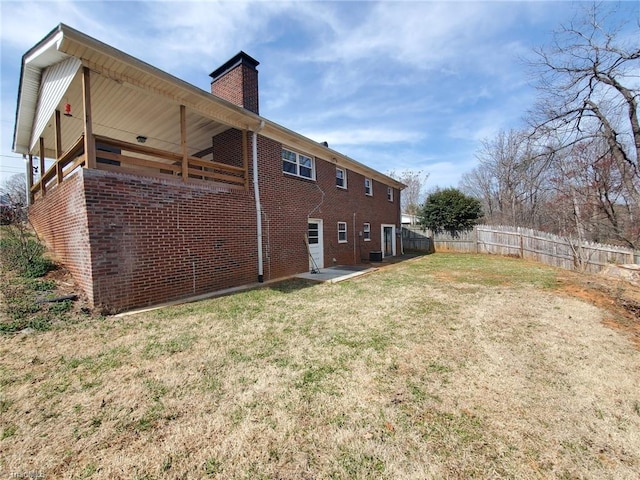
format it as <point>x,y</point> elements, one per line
<point>390,194</point>
<point>368,187</point>
<point>366,232</point>
<point>297,164</point>
<point>341,177</point>
<point>342,232</point>
<point>313,233</point>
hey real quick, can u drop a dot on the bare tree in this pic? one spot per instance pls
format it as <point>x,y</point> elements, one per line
<point>14,198</point>
<point>588,89</point>
<point>589,201</point>
<point>15,189</point>
<point>412,196</point>
<point>509,181</point>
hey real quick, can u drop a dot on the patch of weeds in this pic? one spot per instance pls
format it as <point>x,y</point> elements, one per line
<point>5,405</point>
<point>22,253</point>
<point>167,463</point>
<point>103,362</point>
<point>39,285</point>
<point>428,306</point>
<point>313,377</point>
<point>452,429</point>
<point>89,470</point>
<point>282,362</point>
<point>435,367</point>
<point>359,465</point>
<point>41,323</point>
<point>91,428</point>
<point>52,388</point>
<point>58,308</point>
<point>237,416</point>
<point>23,311</point>
<point>212,467</point>
<point>156,389</point>
<point>339,420</point>
<point>238,356</point>
<point>210,382</point>
<point>375,341</point>
<point>636,407</point>
<point>417,392</point>
<point>9,431</point>
<point>150,419</point>
<point>174,345</point>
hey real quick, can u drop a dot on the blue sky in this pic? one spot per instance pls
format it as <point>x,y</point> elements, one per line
<point>394,85</point>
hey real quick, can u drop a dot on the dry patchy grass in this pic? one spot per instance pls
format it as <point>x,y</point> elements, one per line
<point>447,366</point>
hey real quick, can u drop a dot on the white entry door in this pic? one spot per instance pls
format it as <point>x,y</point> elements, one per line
<point>316,252</point>
<point>388,234</point>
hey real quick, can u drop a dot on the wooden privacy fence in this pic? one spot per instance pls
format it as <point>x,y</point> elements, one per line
<point>563,252</point>
<point>414,239</point>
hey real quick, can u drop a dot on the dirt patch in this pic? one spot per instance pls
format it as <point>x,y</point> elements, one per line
<point>618,297</point>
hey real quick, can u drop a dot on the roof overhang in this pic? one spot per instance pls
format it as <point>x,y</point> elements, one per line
<point>65,42</point>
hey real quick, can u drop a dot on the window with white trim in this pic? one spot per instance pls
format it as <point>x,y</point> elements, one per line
<point>298,164</point>
<point>390,194</point>
<point>366,232</point>
<point>342,232</point>
<point>368,187</point>
<point>341,177</point>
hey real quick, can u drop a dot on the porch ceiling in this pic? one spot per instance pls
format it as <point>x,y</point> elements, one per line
<point>128,98</point>
<point>124,112</point>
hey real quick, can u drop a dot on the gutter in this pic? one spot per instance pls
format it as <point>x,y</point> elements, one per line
<point>256,192</point>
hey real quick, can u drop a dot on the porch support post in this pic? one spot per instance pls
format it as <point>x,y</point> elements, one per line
<point>58,130</point>
<point>89,142</point>
<point>183,143</point>
<point>43,186</point>
<point>245,159</point>
<point>29,173</point>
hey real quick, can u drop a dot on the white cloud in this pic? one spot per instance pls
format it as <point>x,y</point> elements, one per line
<point>363,136</point>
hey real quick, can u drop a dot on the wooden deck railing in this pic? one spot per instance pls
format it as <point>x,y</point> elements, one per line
<point>68,162</point>
<point>117,155</point>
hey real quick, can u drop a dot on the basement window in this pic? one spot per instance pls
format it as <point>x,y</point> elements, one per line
<point>298,164</point>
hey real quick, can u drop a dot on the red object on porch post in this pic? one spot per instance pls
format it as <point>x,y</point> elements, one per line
<point>67,110</point>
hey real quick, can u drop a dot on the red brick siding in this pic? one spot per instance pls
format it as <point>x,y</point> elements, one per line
<point>289,201</point>
<point>155,241</point>
<point>227,148</point>
<point>60,221</point>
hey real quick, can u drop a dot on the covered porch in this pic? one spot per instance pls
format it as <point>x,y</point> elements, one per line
<point>80,107</point>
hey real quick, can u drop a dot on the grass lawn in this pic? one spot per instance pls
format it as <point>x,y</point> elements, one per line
<point>445,366</point>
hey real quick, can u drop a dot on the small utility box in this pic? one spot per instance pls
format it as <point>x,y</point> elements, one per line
<point>375,256</point>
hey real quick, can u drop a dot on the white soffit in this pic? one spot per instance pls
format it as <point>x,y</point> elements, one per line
<point>32,65</point>
<point>55,82</point>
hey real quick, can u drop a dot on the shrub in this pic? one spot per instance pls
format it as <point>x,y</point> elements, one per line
<point>24,254</point>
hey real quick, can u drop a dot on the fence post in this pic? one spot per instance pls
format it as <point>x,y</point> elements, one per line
<point>519,230</point>
<point>475,234</point>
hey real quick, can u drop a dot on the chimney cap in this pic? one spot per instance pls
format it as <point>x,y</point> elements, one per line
<point>240,58</point>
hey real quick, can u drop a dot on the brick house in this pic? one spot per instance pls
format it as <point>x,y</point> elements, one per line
<point>160,190</point>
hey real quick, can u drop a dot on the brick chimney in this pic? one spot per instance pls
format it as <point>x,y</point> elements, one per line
<point>237,82</point>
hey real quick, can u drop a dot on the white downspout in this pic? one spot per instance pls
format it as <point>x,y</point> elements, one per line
<point>256,192</point>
